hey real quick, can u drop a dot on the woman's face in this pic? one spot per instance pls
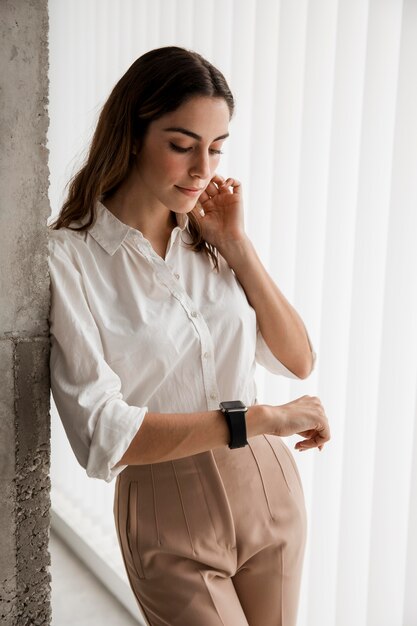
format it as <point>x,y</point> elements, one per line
<point>173,159</point>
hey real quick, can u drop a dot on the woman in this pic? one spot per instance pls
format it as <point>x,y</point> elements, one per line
<point>160,310</point>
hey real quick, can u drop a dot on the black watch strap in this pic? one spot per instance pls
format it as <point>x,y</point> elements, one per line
<point>236,421</point>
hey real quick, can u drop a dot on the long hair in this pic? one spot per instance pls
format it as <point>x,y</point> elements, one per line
<point>157,83</point>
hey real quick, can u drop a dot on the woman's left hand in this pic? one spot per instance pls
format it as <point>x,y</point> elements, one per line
<point>222,221</point>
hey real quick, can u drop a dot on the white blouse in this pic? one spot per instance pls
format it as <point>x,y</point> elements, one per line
<point>131,332</point>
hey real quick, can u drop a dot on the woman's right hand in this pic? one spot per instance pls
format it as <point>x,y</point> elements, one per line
<point>304,416</point>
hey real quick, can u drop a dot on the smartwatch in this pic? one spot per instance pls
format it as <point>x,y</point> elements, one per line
<point>235,414</point>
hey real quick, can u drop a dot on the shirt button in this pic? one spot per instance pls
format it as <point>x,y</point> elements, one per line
<point>206,355</point>
<point>213,396</point>
<point>194,313</point>
<point>176,275</point>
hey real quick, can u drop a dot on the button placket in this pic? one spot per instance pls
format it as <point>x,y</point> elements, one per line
<point>207,348</point>
<point>207,363</point>
<point>144,247</point>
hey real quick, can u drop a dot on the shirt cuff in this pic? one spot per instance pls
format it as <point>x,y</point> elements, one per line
<point>106,471</point>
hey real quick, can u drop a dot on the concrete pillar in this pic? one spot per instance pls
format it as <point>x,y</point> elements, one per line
<point>24,333</point>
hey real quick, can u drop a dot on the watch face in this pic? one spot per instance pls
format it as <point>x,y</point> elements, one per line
<point>233,405</point>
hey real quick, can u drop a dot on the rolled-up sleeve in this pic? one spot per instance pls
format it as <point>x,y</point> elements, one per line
<point>268,360</point>
<point>99,423</point>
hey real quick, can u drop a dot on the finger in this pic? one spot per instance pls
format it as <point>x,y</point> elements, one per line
<point>213,188</point>
<point>305,447</point>
<point>204,197</point>
<point>234,183</point>
<point>307,433</point>
<point>225,188</point>
<point>220,184</point>
<point>314,442</point>
<point>198,211</point>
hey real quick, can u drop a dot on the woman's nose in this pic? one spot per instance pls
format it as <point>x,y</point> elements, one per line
<point>201,166</point>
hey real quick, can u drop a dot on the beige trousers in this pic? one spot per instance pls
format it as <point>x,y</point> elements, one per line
<point>217,538</point>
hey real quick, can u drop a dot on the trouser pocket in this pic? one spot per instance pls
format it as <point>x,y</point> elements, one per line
<point>125,496</point>
<point>132,528</point>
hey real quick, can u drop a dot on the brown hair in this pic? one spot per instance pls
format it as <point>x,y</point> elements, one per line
<point>158,82</point>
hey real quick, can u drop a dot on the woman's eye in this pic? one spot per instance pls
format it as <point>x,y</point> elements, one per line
<point>179,149</point>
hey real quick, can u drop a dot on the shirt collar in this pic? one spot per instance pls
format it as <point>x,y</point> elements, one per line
<point>110,232</point>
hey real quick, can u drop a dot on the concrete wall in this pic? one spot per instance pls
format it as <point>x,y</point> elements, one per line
<point>24,291</point>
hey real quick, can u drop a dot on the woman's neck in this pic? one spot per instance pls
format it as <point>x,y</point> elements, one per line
<point>154,224</point>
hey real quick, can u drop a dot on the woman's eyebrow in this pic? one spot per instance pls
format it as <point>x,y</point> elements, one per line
<point>178,129</point>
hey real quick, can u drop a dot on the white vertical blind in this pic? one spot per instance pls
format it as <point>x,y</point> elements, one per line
<point>324,141</point>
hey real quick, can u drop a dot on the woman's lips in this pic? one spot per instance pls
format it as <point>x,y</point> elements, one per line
<point>189,192</point>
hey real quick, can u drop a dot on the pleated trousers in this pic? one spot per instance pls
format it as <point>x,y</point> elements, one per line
<point>216,538</point>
